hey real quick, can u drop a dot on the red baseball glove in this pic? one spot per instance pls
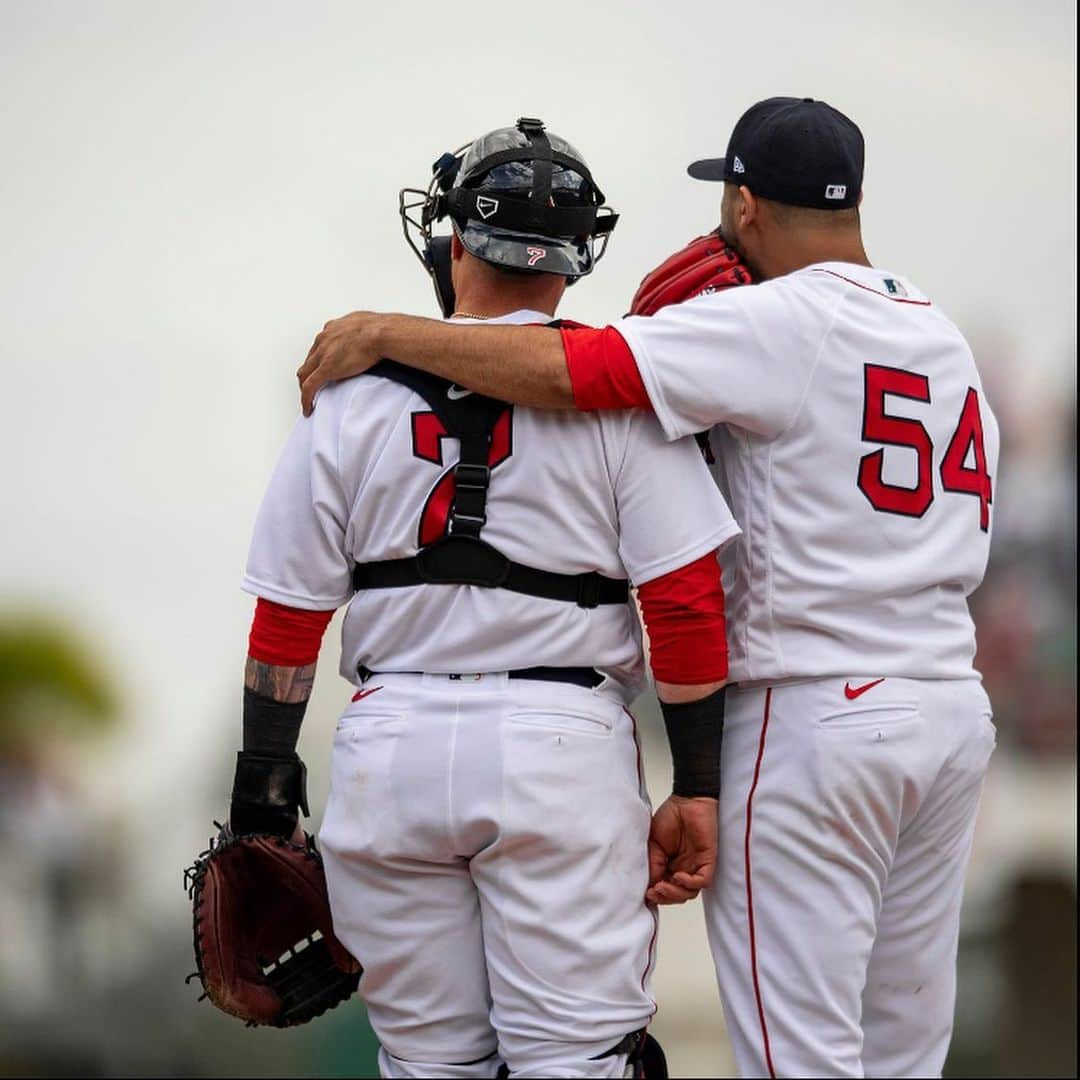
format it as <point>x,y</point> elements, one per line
<point>264,943</point>
<point>705,265</point>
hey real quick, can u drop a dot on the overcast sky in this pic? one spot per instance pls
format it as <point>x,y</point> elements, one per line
<point>189,190</point>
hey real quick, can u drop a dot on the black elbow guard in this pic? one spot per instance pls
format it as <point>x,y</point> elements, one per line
<point>695,731</point>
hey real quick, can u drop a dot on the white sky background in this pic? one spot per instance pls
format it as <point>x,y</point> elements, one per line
<point>189,190</point>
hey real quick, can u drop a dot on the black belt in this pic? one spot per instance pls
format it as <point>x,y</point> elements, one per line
<point>577,676</point>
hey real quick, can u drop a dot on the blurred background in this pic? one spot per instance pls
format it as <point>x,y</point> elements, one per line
<point>189,190</point>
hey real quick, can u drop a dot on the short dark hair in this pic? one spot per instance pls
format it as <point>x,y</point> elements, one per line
<point>788,215</point>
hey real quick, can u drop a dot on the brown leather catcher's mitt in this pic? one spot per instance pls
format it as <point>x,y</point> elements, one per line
<point>707,264</point>
<point>264,944</point>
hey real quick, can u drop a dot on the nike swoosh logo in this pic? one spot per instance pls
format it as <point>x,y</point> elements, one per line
<point>364,693</point>
<point>456,392</point>
<point>851,693</point>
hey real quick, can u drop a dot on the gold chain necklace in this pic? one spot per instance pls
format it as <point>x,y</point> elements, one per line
<point>468,315</point>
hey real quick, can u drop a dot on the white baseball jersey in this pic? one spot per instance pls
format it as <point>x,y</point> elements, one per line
<point>369,476</point>
<point>860,457</point>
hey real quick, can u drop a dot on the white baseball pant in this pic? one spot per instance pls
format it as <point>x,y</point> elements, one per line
<point>845,832</point>
<point>485,843</point>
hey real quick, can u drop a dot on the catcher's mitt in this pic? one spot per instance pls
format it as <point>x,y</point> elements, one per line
<point>264,944</point>
<point>705,265</point>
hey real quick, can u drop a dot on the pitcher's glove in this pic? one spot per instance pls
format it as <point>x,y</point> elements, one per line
<point>265,949</point>
<point>707,264</point>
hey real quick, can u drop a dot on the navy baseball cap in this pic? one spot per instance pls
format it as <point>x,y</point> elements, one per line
<point>792,150</point>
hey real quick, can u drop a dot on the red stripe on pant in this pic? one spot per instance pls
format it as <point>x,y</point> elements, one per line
<point>650,953</point>
<point>749,887</point>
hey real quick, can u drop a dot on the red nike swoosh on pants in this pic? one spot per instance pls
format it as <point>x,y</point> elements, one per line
<point>364,693</point>
<point>851,693</point>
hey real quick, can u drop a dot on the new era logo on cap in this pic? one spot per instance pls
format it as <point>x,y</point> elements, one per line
<point>836,191</point>
<point>737,165</point>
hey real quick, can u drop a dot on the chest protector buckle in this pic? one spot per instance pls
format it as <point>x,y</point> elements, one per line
<point>462,560</point>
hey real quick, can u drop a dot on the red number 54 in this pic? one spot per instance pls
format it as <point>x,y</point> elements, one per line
<point>881,427</point>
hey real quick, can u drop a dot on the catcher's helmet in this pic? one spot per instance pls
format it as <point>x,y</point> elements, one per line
<point>519,198</point>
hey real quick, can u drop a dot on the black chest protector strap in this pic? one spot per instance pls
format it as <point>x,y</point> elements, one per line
<point>461,557</point>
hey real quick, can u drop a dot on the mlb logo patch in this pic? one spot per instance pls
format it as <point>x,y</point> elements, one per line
<point>836,191</point>
<point>893,287</point>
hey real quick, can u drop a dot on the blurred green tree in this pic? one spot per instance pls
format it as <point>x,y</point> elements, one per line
<point>51,683</point>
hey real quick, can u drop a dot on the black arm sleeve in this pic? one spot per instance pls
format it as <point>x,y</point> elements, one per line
<point>270,785</point>
<point>695,731</point>
<point>271,727</point>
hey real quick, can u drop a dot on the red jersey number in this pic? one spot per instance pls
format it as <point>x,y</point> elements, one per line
<point>878,426</point>
<point>881,427</point>
<point>428,434</point>
<point>973,479</point>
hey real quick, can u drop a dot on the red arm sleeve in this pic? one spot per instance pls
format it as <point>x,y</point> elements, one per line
<point>684,615</point>
<point>286,636</point>
<point>603,372</point>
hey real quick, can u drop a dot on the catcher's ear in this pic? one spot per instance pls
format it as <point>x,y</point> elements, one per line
<point>457,248</point>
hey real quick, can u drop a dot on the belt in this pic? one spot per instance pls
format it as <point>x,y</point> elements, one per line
<point>577,676</point>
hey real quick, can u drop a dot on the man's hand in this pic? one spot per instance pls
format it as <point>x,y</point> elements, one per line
<point>345,347</point>
<point>682,849</point>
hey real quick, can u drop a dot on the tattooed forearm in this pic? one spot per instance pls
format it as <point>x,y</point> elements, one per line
<point>289,684</point>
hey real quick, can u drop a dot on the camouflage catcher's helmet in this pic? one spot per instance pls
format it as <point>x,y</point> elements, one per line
<point>519,198</point>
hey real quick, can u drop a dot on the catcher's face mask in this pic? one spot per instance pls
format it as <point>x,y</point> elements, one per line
<point>518,198</point>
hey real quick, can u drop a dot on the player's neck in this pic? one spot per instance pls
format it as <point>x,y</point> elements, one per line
<point>483,290</point>
<point>806,249</point>
<point>490,303</point>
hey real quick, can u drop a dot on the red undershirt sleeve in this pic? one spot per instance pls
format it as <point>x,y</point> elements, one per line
<point>603,372</point>
<point>286,636</point>
<point>684,614</point>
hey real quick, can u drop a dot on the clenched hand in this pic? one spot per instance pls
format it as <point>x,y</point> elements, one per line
<point>682,849</point>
